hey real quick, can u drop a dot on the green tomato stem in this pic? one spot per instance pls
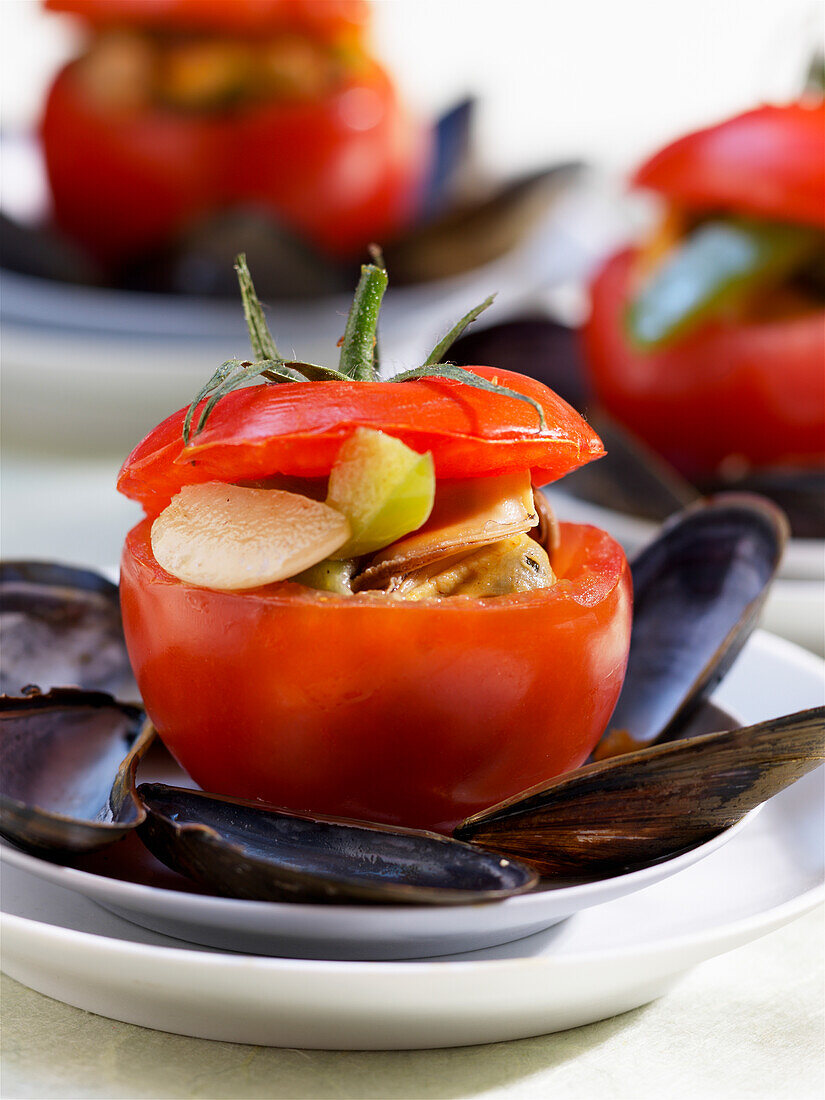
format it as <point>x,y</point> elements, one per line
<point>261,339</point>
<point>358,347</point>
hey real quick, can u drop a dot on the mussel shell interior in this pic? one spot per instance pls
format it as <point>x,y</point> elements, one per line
<point>248,850</point>
<point>64,776</point>
<point>61,626</point>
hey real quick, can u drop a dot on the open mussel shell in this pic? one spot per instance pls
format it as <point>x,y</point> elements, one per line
<point>67,769</point>
<point>60,626</point>
<point>636,809</point>
<point>799,492</point>
<point>249,850</point>
<point>477,231</point>
<point>698,590</point>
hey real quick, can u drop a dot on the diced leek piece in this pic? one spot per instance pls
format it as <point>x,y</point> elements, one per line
<point>329,576</point>
<point>383,487</point>
<point>715,269</point>
<point>231,537</point>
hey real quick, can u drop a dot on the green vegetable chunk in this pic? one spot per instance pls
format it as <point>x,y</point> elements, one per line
<point>329,576</point>
<point>383,487</point>
<point>717,267</point>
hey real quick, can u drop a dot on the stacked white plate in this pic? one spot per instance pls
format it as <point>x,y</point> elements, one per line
<point>629,948</point>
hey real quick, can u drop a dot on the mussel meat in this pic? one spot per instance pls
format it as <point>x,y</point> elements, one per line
<point>466,515</point>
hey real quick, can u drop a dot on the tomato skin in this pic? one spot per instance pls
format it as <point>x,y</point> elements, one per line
<point>755,390</point>
<point>125,181</point>
<point>414,714</point>
<point>123,184</point>
<point>327,18</point>
<point>766,162</point>
<point>341,173</point>
<point>297,429</point>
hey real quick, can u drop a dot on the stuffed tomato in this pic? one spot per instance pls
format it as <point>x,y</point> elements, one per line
<point>349,598</point>
<point>178,110</point>
<point>708,340</point>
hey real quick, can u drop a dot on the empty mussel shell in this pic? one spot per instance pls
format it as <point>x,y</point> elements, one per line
<point>250,850</point>
<point>635,809</point>
<point>480,230</point>
<point>67,769</point>
<point>698,591</point>
<point>60,626</point>
<point>799,492</point>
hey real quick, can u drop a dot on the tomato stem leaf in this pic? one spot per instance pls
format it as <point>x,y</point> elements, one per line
<point>358,347</point>
<point>441,349</point>
<point>459,374</point>
<point>261,339</point>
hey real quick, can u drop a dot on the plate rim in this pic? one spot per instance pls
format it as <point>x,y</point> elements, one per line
<point>768,919</point>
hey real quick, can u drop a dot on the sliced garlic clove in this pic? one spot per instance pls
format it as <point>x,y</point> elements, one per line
<point>230,537</point>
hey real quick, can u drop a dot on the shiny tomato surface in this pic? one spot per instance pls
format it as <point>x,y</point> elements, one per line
<point>414,714</point>
<point>340,171</point>
<point>750,389</point>
<point>297,429</point>
<point>768,162</point>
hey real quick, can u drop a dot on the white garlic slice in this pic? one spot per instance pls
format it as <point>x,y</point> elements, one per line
<point>230,537</point>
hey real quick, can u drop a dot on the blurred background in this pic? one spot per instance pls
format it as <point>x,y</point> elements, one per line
<point>544,109</point>
<point>603,81</point>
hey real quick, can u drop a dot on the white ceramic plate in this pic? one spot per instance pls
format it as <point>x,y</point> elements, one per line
<point>130,882</point>
<point>605,960</point>
<point>341,931</point>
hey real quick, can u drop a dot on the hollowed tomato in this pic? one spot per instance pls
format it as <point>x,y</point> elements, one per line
<point>415,714</point>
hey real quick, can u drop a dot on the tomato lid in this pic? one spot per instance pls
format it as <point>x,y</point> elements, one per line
<point>298,428</point>
<point>768,162</point>
<point>476,421</point>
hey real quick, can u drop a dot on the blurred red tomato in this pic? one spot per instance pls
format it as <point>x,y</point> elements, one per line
<point>322,18</point>
<point>751,389</point>
<point>769,162</point>
<point>342,166</point>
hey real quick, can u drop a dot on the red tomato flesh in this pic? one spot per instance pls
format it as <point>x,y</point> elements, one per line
<point>412,714</point>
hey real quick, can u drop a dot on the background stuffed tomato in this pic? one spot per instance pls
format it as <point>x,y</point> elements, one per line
<point>414,714</point>
<point>749,386</point>
<point>751,389</point>
<point>340,171</point>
